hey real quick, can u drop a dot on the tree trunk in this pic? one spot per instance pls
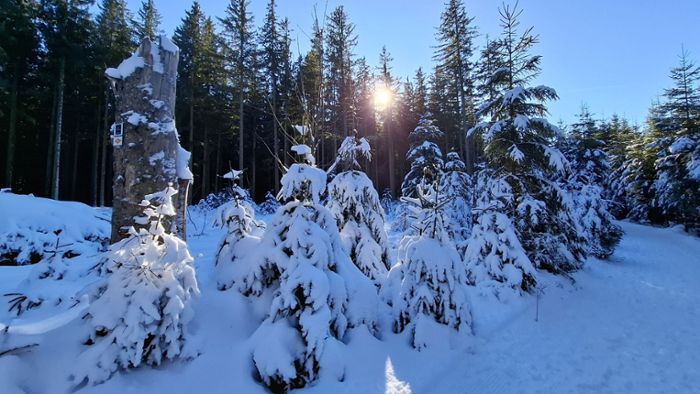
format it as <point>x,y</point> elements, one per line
<point>50,148</point>
<point>105,142</point>
<point>217,162</point>
<point>59,124</point>
<point>390,142</point>
<point>74,167</point>
<point>241,161</point>
<point>205,162</point>
<point>96,156</point>
<point>276,138</point>
<point>12,130</point>
<point>147,161</point>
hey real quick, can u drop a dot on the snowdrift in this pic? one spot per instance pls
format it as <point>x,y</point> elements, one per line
<point>31,228</point>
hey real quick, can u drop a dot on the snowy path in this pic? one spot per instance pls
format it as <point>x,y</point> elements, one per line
<point>632,326</point>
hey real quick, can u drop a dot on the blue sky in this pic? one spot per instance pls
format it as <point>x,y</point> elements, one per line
<point>613,55</point>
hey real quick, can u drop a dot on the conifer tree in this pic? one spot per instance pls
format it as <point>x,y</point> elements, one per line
<point>148,23</point>
<point>304,276</point>
<point>142,311</point>
<point>426,289</point>
<point>456,187</point>
<point>18,50</point>
<point>678,179</point>
<point>425,157</point>
<point>339,61</point>
<point>354,202</point>
<point>454,56</point>
<point>590,172</point>
<point>239,49</point>
<point>518,150</point>
<point>494,252</point>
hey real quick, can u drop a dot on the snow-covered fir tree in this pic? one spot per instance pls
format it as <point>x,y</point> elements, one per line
<point>270,205</point>
<point>424,156</point>
<point>426,289</point>
<point>304,275</point>
<point>590,170</point>
<point>678,166</point>
<point>238,217</point>
<point>456,187</point>
<point>518,149</point>
<point>494,252</point>
<point>355,203</point>
<point>618,135</point>
<point>145,304</point>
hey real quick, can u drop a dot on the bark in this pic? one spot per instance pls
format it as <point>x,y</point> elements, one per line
<point>50,150</point>
<point>205,163</point>
<point>105,142</point>
<point>59,125</point>
<point>390,142</point>
<point>96,156</point>
<point>12,130</point>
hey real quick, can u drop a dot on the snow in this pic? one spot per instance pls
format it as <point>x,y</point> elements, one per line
<point>627,325</point>
<point>233,174</point>
<point>126,67</point>
<point>135,118</point>
<point>182,163</point>
<point>168,45</point>
<point>29,226</point>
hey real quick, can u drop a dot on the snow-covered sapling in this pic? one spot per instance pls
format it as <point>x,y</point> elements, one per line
<point>145,304</point>
<point>424,156</point>
<point>494,252</point>
<point>306,279</point>
<point>456,188</point>
<point>355,203</point>
<point>238,217</point>
<point>428,286</point>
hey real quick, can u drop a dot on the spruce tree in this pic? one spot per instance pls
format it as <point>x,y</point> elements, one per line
<point>239,50</point>
<point>338,86</point>
<point>355,203</point>
<point>306,280</point>
<point>18,51</point>
<point>590,172</point>
<point>678,180</point>
<point>142,311</point>
<point>426,289</point>
<point>454,54</point>
<point>425,157</point>
<point>456,186</point>
<point>148,23</point>
<point>519,151</point>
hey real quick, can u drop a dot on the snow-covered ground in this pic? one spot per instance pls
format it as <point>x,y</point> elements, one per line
<point>629,324</point>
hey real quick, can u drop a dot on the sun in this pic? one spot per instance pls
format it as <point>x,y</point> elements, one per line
<point>382,97</point>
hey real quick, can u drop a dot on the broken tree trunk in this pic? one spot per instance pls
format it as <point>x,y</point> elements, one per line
<point>149,157</point>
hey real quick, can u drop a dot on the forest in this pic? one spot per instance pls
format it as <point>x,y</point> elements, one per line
<point>241,91</point>
<point>348,228</point>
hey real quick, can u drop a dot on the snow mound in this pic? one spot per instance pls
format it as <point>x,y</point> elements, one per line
<point>31,227</point>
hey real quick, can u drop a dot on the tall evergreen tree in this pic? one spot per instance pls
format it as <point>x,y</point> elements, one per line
<point>339,86</point>
<point>454,57</point>
<point>239,47</point>
<point>18,52</point>
<point>518,150</point>
<point>678,179</point>
<point>148,23</point>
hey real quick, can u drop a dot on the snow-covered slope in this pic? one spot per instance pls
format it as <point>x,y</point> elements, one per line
<point>627,325</point>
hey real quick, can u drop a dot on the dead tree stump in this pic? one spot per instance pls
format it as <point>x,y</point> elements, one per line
<point>147,153</point>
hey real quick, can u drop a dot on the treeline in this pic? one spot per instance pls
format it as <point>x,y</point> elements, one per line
<point>240,92</point>
<point>652,174</point>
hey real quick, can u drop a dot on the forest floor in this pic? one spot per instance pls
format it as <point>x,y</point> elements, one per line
<point>630,324</point>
